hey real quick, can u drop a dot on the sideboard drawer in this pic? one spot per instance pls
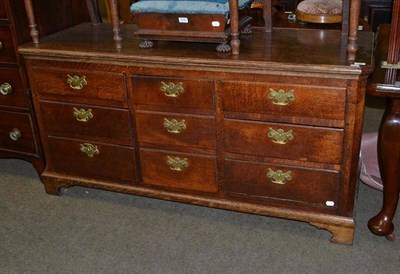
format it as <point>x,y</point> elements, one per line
<point>12,92</point>
<point>179,170</point>
<point>7,51</point>
<point>16,132</point>
<point>280,99</point>
<point>176,129</point>
<point>86,121</point>
<point>304,143</point>
<point>91,159</point>
<point>182,92</point>
<point>270,181</point>
<point>79,84</point>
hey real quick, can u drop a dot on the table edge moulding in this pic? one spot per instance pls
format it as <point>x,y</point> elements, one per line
<point>274,130</point>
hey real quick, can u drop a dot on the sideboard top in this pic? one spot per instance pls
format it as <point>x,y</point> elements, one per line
<point>283,49</point>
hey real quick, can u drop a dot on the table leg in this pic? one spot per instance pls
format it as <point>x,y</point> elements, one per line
<point>115,22</point>
<point>355,7</point>
<point>234,19</point>
<point>32,22</point>
<point>389,163</point>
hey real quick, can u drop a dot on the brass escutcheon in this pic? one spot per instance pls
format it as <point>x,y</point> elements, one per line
<point>176,163</point>
<point>174,126</point>
<point>6,89</point>
<point>76,82</point>
<point>83,115</point>
<point>15,134</point>
<point>89,149</point>
<point>279,177</point>
<point>171,89</point>
<point>279,136</point>
<point>281,97</point>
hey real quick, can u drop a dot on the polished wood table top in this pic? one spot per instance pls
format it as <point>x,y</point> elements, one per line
<point>318,49</point>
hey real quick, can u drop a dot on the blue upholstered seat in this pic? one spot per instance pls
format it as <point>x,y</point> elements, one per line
<point>185,6</point>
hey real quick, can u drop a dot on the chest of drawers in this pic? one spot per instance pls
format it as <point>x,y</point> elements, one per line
<point>18,138</point>
<point>254,133</point>
<point>18,128</point>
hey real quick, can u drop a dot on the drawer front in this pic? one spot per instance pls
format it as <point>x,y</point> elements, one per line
<point>182,92</point>
<point>176,129</point>
<point>91,160</point>
<point>12,92</point>
<point>179,170</point>
<point>16,132</point>
<point>315,144</point>
<point>289,100</point>
<point>91,122</point>
<point>79,84</point>
<point>270,181</point>
<point>7,51</point>
<point>3,13</point>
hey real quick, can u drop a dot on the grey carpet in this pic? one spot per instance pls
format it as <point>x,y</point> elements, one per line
<point>95,231</point>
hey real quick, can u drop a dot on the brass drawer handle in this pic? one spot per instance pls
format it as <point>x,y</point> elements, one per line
<point>171,89</point>
<point>279,136</point>
<point>6,89</point>
<point>82,115</point>
<point>281,97</point>
<point>1,45</point>
<point>279,177</point>
<point>15,134</point>
<point>76,82</point>
<point>176,163</point>
<point>174,126</point>
<point>89,149</point>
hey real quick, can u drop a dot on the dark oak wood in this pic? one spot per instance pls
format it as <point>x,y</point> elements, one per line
<point>249,180</point>
<point>105,124</point>
<point>199,175</point>
<point>254,97</point>
<point>386,83</point>
<point>196,132</point>
<point>17,97</point>
<point>21,122</point>
<point>197,93</point>
<point>226,134</point>
<point>312,144</point>
<point>112,162</point>
<point>101,85</point>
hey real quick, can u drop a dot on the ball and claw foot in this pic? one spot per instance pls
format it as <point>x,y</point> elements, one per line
<point>224,47</point>
<point>146,44</point>
<point>247,30</point>
<point>391,237</point>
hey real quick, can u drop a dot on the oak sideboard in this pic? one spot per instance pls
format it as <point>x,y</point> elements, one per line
<point>273,131</point>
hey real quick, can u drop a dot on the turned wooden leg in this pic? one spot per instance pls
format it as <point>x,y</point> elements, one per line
<point>267,15</point>
<point>355,7</point>
<point>389,164</point>
<point>234,19</point>
<point>32,22</point>
<point>115,22</point>
<point>340,234</point>
<point>93,8</point>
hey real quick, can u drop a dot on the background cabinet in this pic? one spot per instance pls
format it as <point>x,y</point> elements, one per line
<point>18,129</point>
